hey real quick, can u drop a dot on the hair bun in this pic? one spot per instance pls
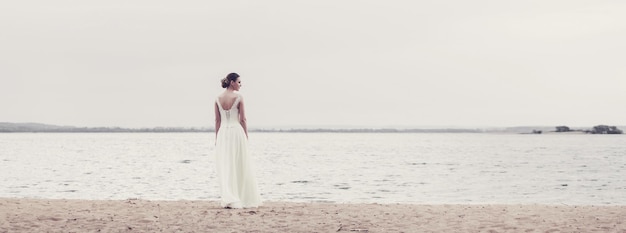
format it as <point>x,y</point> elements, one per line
<point>230,77</point>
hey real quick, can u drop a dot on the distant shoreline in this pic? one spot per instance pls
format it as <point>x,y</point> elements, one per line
<point>6,127</point>
<point>46,128</point>
<point>210,130</point>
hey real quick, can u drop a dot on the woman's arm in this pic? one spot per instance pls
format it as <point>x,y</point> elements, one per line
<point>242,116</point>
<point>218,119</point>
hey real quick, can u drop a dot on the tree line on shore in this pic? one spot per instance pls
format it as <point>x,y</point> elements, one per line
<point>45,128</point>
<point>206,130</point>
<point>598,129</point>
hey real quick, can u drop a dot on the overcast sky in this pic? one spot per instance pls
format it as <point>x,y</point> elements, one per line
<point>314,63</point>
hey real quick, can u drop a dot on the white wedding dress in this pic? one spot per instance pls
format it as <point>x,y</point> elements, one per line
<point>235,169</point>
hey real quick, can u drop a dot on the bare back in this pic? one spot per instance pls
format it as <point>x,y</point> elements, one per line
<point>227,99</point>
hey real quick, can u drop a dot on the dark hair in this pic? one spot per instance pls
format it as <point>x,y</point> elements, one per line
<point>230,77</point>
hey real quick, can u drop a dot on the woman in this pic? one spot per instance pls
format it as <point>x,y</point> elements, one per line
<point>238,186</point>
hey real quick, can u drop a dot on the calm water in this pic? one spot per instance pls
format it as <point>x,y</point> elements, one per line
<point>323,167</point>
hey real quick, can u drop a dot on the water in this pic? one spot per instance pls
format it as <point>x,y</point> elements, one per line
<point>323,167</point>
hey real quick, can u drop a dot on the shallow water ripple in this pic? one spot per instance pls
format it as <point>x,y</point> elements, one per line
<point>323,167</point>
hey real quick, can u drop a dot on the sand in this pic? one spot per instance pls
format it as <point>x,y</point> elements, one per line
<point>40,215</point>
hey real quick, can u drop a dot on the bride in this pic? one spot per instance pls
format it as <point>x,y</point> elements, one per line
<point>238,187</point>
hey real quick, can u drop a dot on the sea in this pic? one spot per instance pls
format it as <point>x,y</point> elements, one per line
<point>405,168</point>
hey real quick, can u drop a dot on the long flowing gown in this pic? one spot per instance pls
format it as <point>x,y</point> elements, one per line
<point>238,186</point>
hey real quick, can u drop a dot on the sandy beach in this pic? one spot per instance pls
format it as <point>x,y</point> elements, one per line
<point>41,215</point>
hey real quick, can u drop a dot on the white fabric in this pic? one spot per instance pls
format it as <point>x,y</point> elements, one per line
<point>238,186</point>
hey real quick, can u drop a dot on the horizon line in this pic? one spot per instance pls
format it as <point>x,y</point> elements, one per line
<point>314,127</point>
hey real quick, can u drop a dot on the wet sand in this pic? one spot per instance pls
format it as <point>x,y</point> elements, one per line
<point>41,215</point>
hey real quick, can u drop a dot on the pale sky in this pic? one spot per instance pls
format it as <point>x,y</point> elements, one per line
<point>314,63</point>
